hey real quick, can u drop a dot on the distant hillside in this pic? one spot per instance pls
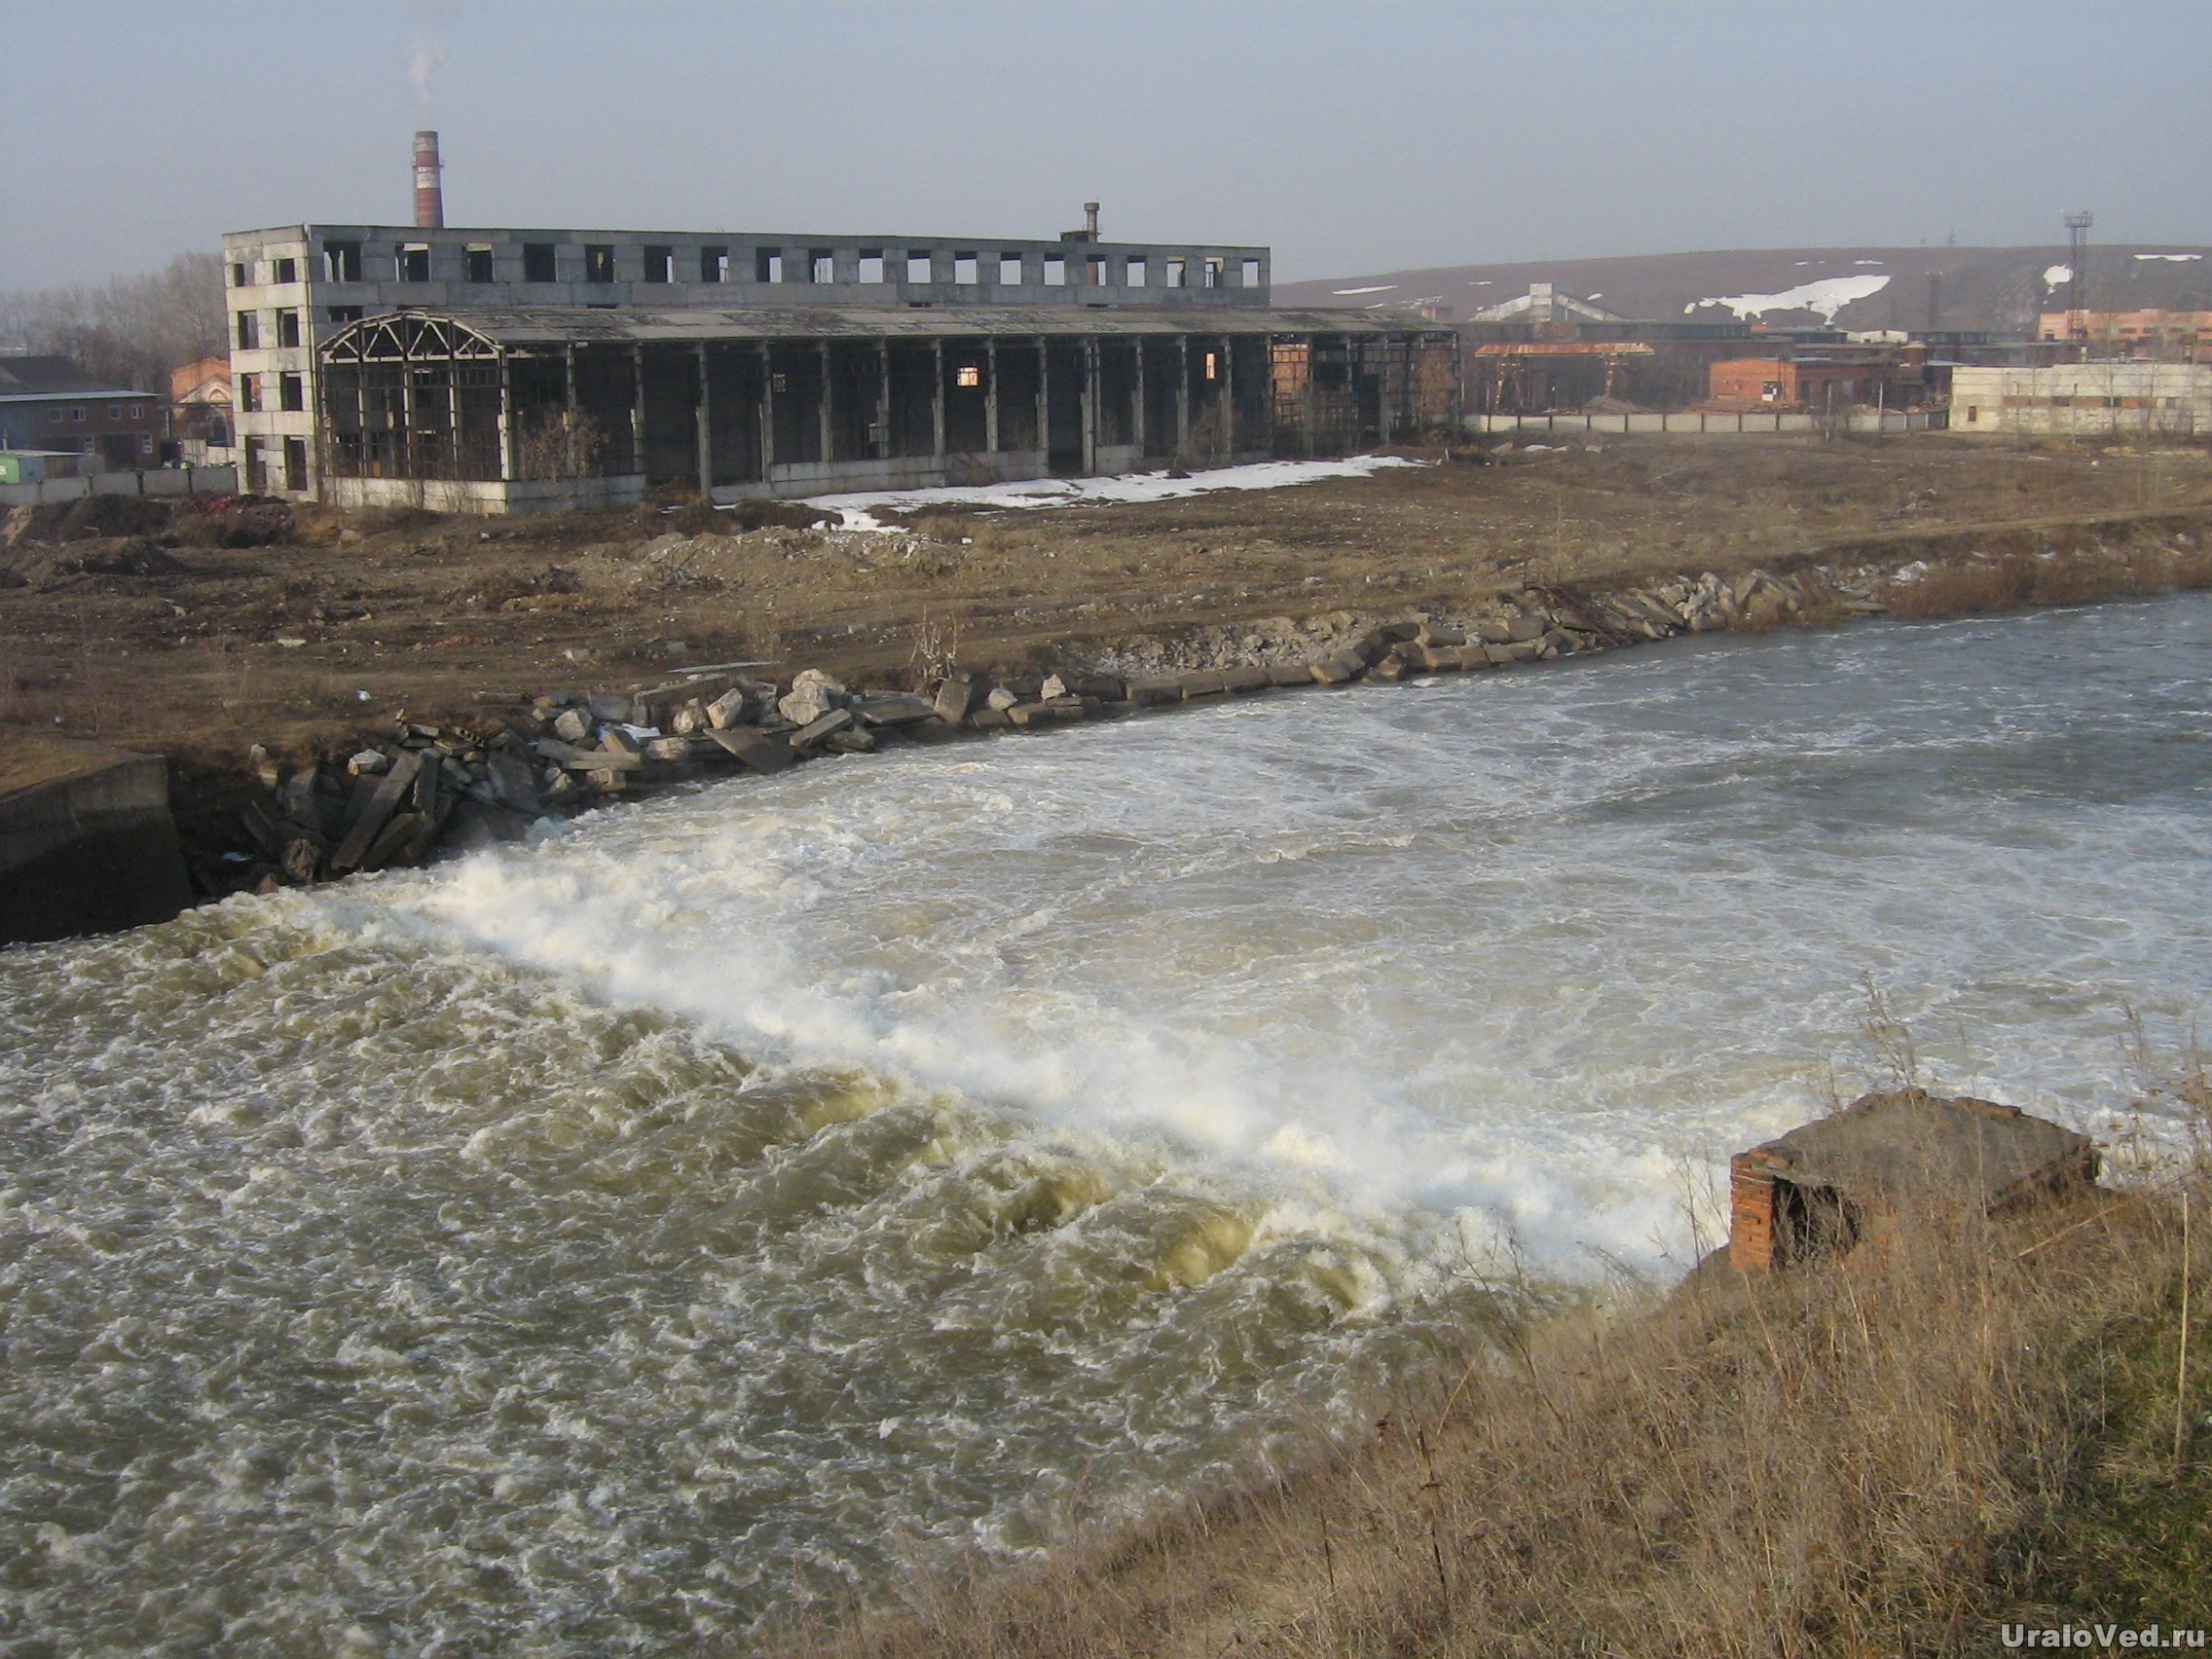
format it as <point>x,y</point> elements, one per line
<point>1995,288</point>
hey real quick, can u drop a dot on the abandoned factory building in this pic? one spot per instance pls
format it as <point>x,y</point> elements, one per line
<point>501,411</point>
<point>501,370</point>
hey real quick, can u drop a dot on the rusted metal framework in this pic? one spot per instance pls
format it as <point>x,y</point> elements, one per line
<point>792,402</point>
<point>413,396</point>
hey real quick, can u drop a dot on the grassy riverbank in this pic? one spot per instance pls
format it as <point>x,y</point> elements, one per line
<point>1892,1456</point>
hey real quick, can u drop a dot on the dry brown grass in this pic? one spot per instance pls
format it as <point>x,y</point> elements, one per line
<point>2022,580</point>
<point>1866,1459</point>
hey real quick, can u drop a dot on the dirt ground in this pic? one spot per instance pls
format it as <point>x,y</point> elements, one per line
<point>137,626</point>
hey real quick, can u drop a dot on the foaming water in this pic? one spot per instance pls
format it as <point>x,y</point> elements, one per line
<point>594,1245</point>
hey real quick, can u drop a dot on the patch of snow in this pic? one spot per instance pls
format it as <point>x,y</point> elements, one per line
<point>2053,275</point>
<point>1372,288</point>
<point>1826,297</point>
<point>1481,282</point>
<point>2177,258</point>
<point>1597,296</point>
<point>1029,493</point>
<point>1866,262</point>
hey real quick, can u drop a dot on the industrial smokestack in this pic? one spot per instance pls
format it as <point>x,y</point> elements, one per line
<point>429,194</point>
<point>1091,220</point>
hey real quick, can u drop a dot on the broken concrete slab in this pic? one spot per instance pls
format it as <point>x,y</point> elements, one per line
<point>761,751</point>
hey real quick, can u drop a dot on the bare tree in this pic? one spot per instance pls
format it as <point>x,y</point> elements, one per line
<point>131,330</point>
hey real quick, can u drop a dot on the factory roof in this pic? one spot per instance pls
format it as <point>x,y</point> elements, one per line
<point>506,330</point>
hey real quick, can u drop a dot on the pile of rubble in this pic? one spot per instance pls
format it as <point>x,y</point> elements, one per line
<point>430,787</point>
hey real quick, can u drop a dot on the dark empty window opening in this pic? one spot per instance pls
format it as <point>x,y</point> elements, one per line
<point>250,393</point>
<point>1010,270</point>
<point>769,265</point>
<point>599,262</point>
<point>1249,273</point>
<point>964,266</point>
<point>1813,1222</point>
<point>537,261</point>
<point>1134,272</point>
<point>76,412</point>
<point>660,263</point>
<point>1094,271</point>
<point>285,270</point>
<point>240,275</point>
<point>115,411</point>
<point>918,266</point>
<point>248,331</point>
<point>291,391</point>
<point>287,327</point>
<point>714,265</point>
<point>480,262</point>
<point>1175,270</point>
<point>1056,271</point>
<point>341,262</point>
<point>821,265</point>
<point>344,314</point>
<point>414,262</point>
<point>871,265</point>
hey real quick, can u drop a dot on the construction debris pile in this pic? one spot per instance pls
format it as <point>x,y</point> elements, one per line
<point>429,787</point>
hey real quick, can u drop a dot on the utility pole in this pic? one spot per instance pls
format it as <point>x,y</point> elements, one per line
<point>2078,269</point>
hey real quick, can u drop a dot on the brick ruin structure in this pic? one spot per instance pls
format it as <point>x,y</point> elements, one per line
<point>1821,1189</point>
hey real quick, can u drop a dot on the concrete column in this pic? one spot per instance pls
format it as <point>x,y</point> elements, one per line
<point>1090,406</point>
<point>936,405</point>
<point>1228,395</point>
<point>1044,400</point>
<point>991,445</point>
<point>821,407</point>
<point>706,427</point>
<point>1136,409</point>
<point>506,422</point>
<point>767,413</point>
<point>410,460</point>
<point>883,400</point>
<point>1183,396</point>
<point>638,408</point>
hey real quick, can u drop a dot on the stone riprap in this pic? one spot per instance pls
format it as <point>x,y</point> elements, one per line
<point>422,788</point>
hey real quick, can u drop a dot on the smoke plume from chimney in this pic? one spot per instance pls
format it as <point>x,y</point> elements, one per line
<point>430,192</point>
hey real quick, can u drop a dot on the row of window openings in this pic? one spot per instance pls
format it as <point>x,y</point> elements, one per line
<point>76,412</point>
<point>341,263</point>
<point>291,394</point>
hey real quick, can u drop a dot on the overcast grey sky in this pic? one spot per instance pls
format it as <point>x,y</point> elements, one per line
<point>1352,137</point>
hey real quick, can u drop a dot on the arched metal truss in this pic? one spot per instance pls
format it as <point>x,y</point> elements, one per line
<point>407,395</point>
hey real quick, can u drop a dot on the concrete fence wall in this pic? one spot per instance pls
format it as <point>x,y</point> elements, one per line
<point>154,481</point>
<point>1752,422</point>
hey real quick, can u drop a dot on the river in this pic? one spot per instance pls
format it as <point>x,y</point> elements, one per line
<point>600,1243</point>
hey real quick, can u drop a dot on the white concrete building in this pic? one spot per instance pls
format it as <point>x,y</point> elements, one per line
<point>2084,400</point>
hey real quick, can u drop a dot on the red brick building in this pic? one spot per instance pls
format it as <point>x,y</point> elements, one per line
<point>1826,376</point>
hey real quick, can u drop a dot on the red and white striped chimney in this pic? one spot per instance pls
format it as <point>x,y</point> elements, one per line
<point>429,194</point>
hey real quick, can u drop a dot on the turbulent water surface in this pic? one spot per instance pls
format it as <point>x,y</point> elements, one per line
<point>599,1244</point>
